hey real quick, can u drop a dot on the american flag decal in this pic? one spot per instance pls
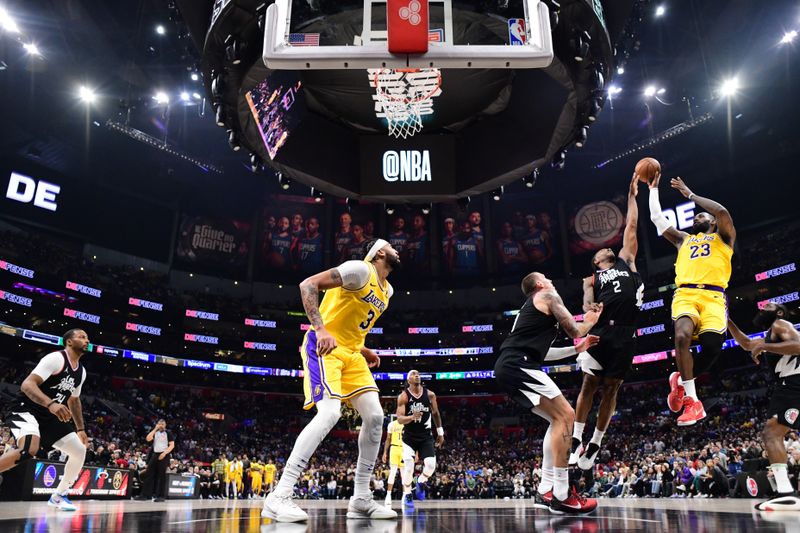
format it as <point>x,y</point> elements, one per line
<point>304,39</point>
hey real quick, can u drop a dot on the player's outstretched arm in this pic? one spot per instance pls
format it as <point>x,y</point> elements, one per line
<point>630,241</point>
<point>744,341</point>
<point>725,225</point>
<point>437,419</point>
<point>664,226</point>
<point>573,329</point>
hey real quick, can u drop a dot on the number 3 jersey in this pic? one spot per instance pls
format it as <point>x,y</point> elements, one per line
<point>60,381</point>
<point>350,311</point>
<point>703,259</point>
<point>620,290</point>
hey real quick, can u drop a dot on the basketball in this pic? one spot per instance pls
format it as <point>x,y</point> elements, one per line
<point>647,168</point>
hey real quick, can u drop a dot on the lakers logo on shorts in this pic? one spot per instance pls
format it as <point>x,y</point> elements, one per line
<point>317,390</point>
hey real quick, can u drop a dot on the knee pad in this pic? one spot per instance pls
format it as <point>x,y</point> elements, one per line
<point>429,465</point>
<point>710,350</point>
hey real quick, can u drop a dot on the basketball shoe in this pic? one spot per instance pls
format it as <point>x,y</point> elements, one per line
<point>577,447</point>
<point>542,501</point>
<point>586,461</point>
<point>676,393</point>
<point>574,504</point>
<point>693,412</point>
<point>62,502</point>
<point>367,507</point>
<point>282,509</point>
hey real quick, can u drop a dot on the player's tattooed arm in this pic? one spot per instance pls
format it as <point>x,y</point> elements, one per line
<point>630,242</point>
<point>309,293</point>
<point>588,293</point>
<point>723,218</point>
<point>573,329</point>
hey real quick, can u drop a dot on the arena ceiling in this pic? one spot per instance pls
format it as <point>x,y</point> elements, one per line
<point>114,49</point>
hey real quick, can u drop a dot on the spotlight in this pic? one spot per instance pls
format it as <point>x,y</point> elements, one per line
<point>580,139</point>
<point>620,71</point>
<point>32,49</point>
<point>219,115</point>
<point>661,91</point>
<point>161,30</point>
<point>530,179</point>
<point>196,96</point>
<point>233,141</point>
<point>580,45</point>
<point>255,163</point>
<point>283,181</point>
<point>650,91</point>
<point>729,87</point>
<point>161,97</point>
<point>614,90</point>
<point>426,209</point>
<point>185,96</point>
<point>7,23</point>
<point>390,209</point>
<point>559,160</point>
<point>195,76</point>
<point>660,10</point>
<point>594,109</point>
<point>788,37</point>
<point>497,194</point>
<point>233,49</point>
<point>217,86</point>
<point>317,194</point>
<point>598,80</point>
<point>86,94</point>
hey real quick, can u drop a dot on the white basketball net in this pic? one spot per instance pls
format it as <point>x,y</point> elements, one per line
<point>403,97</point>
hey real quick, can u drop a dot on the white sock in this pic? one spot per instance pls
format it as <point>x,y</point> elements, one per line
<point>546,484</point>
<point>369,407</point>
<point>561,483</point>
<point>688,385</point>
<point>328,413</point>
<point>76,455</point>
<point>577,430</point>
<point>597,438</point>
<point>781,477</point>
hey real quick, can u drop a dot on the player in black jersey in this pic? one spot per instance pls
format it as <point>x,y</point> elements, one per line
<point>48,414</point>
<point>518,371</point>
<point>781,346</point>
<point>416,409</point>
<point>618,286</point>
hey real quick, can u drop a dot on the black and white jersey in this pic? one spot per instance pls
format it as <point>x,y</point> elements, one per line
<point>786,367</point>
<point>533,331</point>
<point>60,382</point>
<point>620,290</point>
<point>422,404</point>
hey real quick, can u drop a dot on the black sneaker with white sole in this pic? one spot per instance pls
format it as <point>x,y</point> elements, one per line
<point>586,460</point>
<point>782,502</point>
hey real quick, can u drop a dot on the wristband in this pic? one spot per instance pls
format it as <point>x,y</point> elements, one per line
<point>79,430</point>
<point>440,431</point>
<point>690,195</point>
<point>51,403</point>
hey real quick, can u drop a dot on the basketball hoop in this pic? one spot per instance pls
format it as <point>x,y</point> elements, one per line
<point>404,96</point>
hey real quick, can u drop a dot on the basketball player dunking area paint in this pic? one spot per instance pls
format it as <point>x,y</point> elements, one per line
<point>393,455</point>
<point>48,414</point>
<point>416,409</point>
<point>337,368</point>
<point>618,286</point>
<point>699,305</point>
<point>781,349</point>
<point>518,370</point>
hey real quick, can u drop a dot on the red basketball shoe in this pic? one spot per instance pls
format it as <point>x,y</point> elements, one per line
<point>676,393</point>
<point>692,413</point>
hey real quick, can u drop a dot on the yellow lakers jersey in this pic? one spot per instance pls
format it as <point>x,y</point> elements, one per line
<point>704,259</point>
<point>395,431</point>
<point>269,470</point>
<point>256,467</point>
<point>348,315</point>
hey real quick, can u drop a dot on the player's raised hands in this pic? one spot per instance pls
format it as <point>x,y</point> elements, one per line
<point>654,184</point>
<point>680,186</point>
<point>593,315</point>
<point>633,190</point>
<point>587,342</point>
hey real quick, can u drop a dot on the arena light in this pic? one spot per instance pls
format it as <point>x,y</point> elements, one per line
<point>283,181</point>
<point>530,179</point>
<point>390,209</point>
<point>580,139</point>
<point>661,91</point>
<point>86,94</point>
<point>729,87</point>
<point>620,71</point>
<point>317,194</point>
<point>195,76</point>
<point>32,49</point>
<point>650,91</point>
<point>161,30</point>
<point>580,45</point>
<point>559,160</point>
<point>185,96</point>
<point>426,209</point>
<point>233,49</point>
<point>661,10</point>
<point>255,163</point>
<point>219,115</point>
<point>614,90</point>
<point>161,97</point>
<point>594,109</point>
<point>196,96</point>
<point>233,141</point>
<point>497,194</point>
<point>7,22</point>
<point>788,37</point>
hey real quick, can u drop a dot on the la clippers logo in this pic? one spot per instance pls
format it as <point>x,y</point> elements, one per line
<point>791,415</point>
<point>752,487</point>
<point>411,13</point>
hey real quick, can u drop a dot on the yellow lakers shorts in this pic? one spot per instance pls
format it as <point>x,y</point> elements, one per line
<point>708,309</point>
<point>255,482</point>
<point>396,456</point>
<point>341,374</point>
<point>268,479</point>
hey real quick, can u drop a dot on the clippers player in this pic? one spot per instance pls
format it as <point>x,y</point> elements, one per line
<point>518,371</point>
<point>393,454</point>
<point>416,407</point>
<point>781,346</point>
<point>618,286</point>
<point>699,305</point>
<point>336,368</point>
<point>48,414</point>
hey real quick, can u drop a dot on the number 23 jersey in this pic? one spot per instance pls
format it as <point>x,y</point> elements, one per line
<point>349,312</point>
<point>703,259</point>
